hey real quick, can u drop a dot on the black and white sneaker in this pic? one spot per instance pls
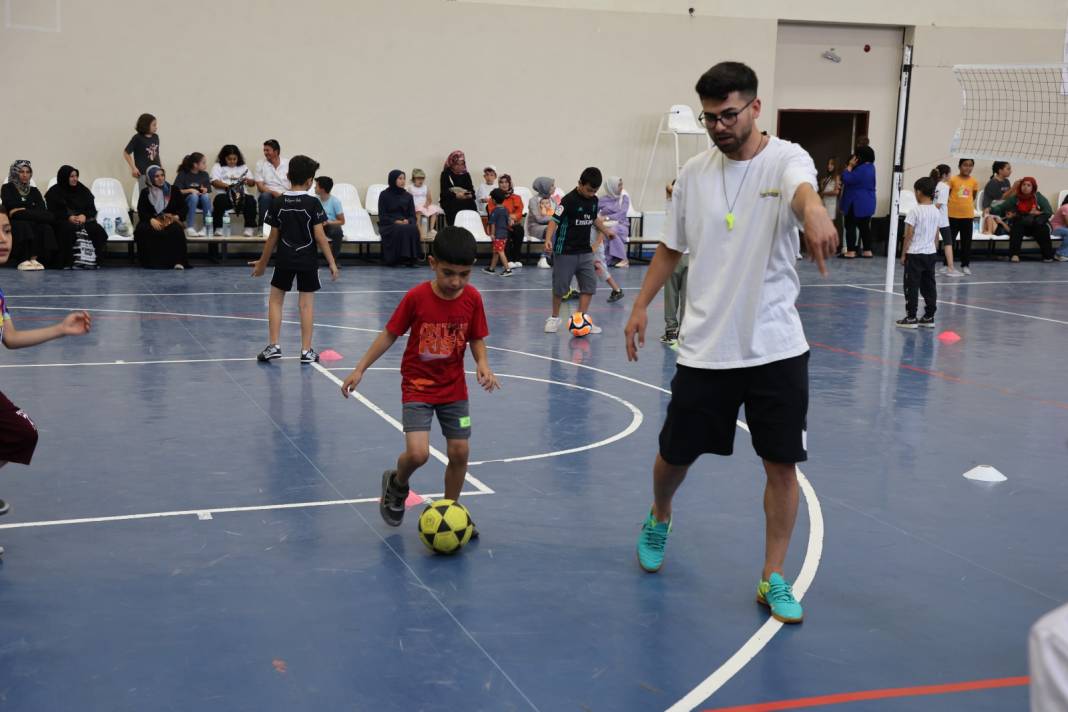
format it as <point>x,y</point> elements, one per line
<point>669,337</point>
<point>4,509</point>
<point>909,322</point>
<point>615,296</point>
<point>272,352</point>
<point>507,272</point>
<point>309,356</point>
<point>926,321</point>
<point>391,505</point>
<point>487,270</point>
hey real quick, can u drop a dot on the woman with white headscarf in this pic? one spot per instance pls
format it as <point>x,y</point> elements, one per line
<point>540,211</point>
<point>613,207</point>
<point>160,235</point>
<point>32,236</point>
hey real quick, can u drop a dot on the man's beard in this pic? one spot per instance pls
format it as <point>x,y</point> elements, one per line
<point>731,143</point>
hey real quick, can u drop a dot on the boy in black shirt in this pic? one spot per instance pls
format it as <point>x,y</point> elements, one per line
<point>568,237</point>
<point>296,219</point>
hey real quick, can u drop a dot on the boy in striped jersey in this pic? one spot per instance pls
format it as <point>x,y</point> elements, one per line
<point>919,255</point>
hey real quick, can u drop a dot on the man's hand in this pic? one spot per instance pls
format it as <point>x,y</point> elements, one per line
<point>635,328</point>
<point>821,236</point>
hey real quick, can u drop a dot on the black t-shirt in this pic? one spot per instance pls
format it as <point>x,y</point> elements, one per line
<point>574,219</point>
<point>145,150</point>
<point>295,215</point>
<point>994,190</point>
<point>184,180</point>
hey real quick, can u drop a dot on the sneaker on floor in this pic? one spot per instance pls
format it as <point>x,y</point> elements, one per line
<point>270,353</point>
<point>309,356</point>
<point>967,271</point>
<point>1014,258</point>
<point>4,508</point>
<point>544,263</point>
<point>507,272</point>
<point>391,504</point>
<point>615,296</point>
<point>952,273</point>
<point>670,336</point>
<point>552,325</point>
<point>489,270</point>
<point>513,265</point>
<point>622,263</point>
<point>651,542</point>
<point>594,329</point>
<point>1061,258</point>
<point>248,232</point>
<point>777,595</point>
<point>25,266</point>
<point>570,293</point>
<point>941,269</point>
<point>179,267</point>
<point>926,321</point>
<point>909,322</point>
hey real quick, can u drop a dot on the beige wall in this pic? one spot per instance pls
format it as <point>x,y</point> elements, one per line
<point>368,86</point>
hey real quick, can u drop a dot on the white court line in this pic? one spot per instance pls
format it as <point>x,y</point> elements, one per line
<point>756,643</point>
<point>438,454</point>
<point>973,306</point>
<point>245,294</point>
<point>121,362</point>
<point>207,513</point>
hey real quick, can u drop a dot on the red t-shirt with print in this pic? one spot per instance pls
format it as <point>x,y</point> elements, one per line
<point>432,370</point>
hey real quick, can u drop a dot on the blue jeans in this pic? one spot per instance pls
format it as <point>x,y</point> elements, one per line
<point>1062,232</point>
<point>264,201</point>
<point>193,202</point>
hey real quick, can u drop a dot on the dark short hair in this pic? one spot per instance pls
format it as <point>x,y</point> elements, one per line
<point>591,177</point>
<point>925,186</point>
<point>865,154</point>
<point>325,182</point>
<point>230,150</point>
<point>301,169</point>
<point>455,245</point>
<point>498,195</point>
<point>962,161</point>
<point>273,144</point>
<point>998,165</point>
<point>726,77</point>
<point>144,123</point>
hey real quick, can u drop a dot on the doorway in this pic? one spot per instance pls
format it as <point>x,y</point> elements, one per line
<point>824,133</point>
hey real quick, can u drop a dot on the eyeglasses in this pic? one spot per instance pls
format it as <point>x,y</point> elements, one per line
<point>727,118</point>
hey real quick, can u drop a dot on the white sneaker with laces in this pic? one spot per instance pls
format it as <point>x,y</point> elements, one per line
<point>249,232</point>
<point>544,263</point>
<point>594,329</point>
<point>552,325</point>
<point>513,265</point>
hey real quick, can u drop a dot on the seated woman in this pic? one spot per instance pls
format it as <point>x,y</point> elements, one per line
<point>74,210</point>
<point>160,235</point>
<point>194,183</point>
<point>613,207</point>
<point>457,191</point>
<point>397,223</point>
<point>514,205</point>
<point>540,211</point>
<point>1029,213</point>
<point>231,178</point>
<point>31,224</point>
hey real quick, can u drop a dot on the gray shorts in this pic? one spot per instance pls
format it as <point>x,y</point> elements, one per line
<point>454,418</point>
<point>580,267</point>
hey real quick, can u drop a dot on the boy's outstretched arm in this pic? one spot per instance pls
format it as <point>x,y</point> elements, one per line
<point>486,378</point>
<point>324,247</point>
<point>381,344</point>
<point>260,266</point>
<point>75,324</point>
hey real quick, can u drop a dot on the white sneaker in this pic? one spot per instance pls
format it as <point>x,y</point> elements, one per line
<point>201,233</point>
<point>966,270</point>
<point>952,273</point>
<point>249,232</point>
<point>190,232</point>
<point>513,265</point>
<point>941,269</point>
<point>218,232</point>
<point>179,267</point>
<point>594,329</point>
<point>544,263</point>
<point>552,325</point>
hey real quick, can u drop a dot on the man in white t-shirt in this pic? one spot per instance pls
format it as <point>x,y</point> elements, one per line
<point>737,209</point>
<point>272,175</point>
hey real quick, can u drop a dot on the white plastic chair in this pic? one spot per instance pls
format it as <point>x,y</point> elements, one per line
<point>526,194</point>
<point>135,196</point>
<point>348,195</point>
<point>472,221</point>
<point>373,192</point>
<point>906,202</point>
<point>1060,199</point>
<point>681,120</point>
<point>52,182</point>
<point>108,192</point>
<point>358,227</point>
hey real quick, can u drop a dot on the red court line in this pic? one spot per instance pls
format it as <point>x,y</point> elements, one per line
<point>883,694</point>
<point>939,374</point>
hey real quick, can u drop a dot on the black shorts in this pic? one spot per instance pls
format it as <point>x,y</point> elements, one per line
<point>704,407</point>
<point>18,434</point>
<point>307,279</point>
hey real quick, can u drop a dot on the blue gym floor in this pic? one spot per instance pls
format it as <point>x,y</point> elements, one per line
<point>303,599</point>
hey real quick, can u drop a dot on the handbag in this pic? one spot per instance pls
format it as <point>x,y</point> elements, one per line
<point>84,251</point>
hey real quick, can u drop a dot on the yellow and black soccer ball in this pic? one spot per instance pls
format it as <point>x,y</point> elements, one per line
<point>445,526</point>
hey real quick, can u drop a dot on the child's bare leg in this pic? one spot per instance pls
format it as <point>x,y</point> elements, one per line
<point>274,314</point>
<point>307,319</point>
<point>432,222</point>
<point>612,283</point>
<point>948,250</point>
<point>416,453</point>
<point>422,227</point>
<point>457,468</point>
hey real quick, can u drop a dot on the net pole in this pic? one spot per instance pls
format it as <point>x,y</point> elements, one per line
<point>899,165</point>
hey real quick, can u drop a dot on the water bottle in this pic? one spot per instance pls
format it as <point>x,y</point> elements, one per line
<point>120,226</point>
<point>208,225</point>
<point>109,226</point>
<point>226,224</point>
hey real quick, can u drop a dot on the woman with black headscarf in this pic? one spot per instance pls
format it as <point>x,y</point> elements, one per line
<point>457,190</point>
<point>31,223</point>
<point>74,209</point>
<point>160,235</point>
<point>397,224</point>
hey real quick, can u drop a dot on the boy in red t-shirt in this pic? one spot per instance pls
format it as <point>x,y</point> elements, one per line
<point>444,314</point>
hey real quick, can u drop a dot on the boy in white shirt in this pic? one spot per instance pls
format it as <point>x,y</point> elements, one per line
<point>919,255</point>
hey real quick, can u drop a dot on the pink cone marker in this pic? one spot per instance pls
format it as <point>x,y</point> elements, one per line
<point>414,500</point>
<point>949,337</point>
<point>330,355</point>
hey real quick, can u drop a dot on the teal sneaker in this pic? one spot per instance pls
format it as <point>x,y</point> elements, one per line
<point>777,595</point>
<point>651,543</point>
